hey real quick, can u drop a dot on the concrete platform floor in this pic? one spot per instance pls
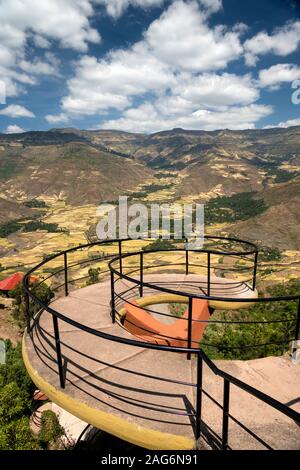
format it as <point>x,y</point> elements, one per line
<point>115,387</point>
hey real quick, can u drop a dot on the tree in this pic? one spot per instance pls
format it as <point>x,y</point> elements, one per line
<point>14,370</point>
<point>15,410</point>
<point>159,244</point>
<point>16,406</point>
<point>93,276</point>
<point>40,290</point>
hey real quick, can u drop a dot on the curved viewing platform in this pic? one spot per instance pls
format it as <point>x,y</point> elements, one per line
<point>129,353</point>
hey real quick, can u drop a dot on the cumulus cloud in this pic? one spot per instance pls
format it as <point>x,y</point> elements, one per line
<point>275,75</point>
<point>148,118</point>
<point>66,22</point>
<point>17,111</point>
<point>282,41</point>
<point>111,82</point>
<point>116,7</point>
<point>175,63</point>
<point>55,119</point>
<point>166,63</point>
<point>14,129</point>
<point>284,124</point>
<point>182,38</point>
<point>217,90</point>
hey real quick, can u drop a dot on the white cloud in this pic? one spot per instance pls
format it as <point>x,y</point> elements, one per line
<point>54,119</point>
<point>16,111</point>
<point>213,90</point>
<point>282,41</point>
<point>148,118</point>
<point>277,74</point>
<point>182,38</point>
<point>64,21</point>
<point>116,7</point>
<point>14,129</point>
<point>165,59</point>
<point>111,82</point>
<point>172,71</point>
<point>39,67</point>
<point>211,6</point>
<point>284,124</point>
<point>41,41</point>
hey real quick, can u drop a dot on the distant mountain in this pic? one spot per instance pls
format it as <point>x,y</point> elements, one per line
<point>75,171</point>
<point>279,225</point>
<point>90,166</point>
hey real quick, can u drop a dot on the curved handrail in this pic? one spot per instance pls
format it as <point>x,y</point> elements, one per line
<point>186,294</point>
<point>201,356</point>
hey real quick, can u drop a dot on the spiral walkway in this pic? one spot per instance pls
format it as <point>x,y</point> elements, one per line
<point>129,391</point>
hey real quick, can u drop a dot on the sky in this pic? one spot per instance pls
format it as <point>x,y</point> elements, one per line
<point>149,65</point>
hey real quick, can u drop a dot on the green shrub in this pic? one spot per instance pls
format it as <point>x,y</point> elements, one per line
<point>51,430</point>
<point>159,244</point>
<point>35,203</point>
<point>177,309</point>
<point>240,206</point>
<point>227,340</point>
<point>40,290</point>
<point>14,370</point>
<point>94,274</point>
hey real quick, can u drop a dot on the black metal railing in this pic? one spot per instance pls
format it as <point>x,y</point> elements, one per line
<point>141,286</point>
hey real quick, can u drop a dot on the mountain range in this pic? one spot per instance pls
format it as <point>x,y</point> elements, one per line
<point>82,167</point>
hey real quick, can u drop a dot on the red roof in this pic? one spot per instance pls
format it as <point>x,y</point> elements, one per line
<point>11,282</point>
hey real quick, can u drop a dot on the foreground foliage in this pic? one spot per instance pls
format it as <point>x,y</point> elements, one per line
<point>226,340</point>
<point>42,292</point>
<point>16,406</point>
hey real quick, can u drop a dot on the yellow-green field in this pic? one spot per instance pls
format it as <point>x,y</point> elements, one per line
<point>21,250</point>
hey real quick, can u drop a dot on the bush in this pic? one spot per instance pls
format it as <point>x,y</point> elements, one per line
<point>267,253</point>
<point>14,370</point>
<point>159,244</point>
<point>16,389</point>
<point>16,406</point>
<point>177,309</point>
<point>41,290</point>
<point>237,340</point>
<point>35,203</point>
<point>51,430</point>
<point>93,276</point>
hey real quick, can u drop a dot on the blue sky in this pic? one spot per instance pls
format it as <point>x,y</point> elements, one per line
<point>148,65</point>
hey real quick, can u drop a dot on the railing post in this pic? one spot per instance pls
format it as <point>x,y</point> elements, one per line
<point>112,287</point>
<point>189,338</point>
<point>208,273</point>
<point>120,257</point>
<point>141,273</point>
<point>254,270</point>
<point>58,352</point>
<point>297,333</point>
<point>199,395</point>
<point>186,257</point>
<point>226,392</point>
<point>66,274</point>
<point>27,306</point>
